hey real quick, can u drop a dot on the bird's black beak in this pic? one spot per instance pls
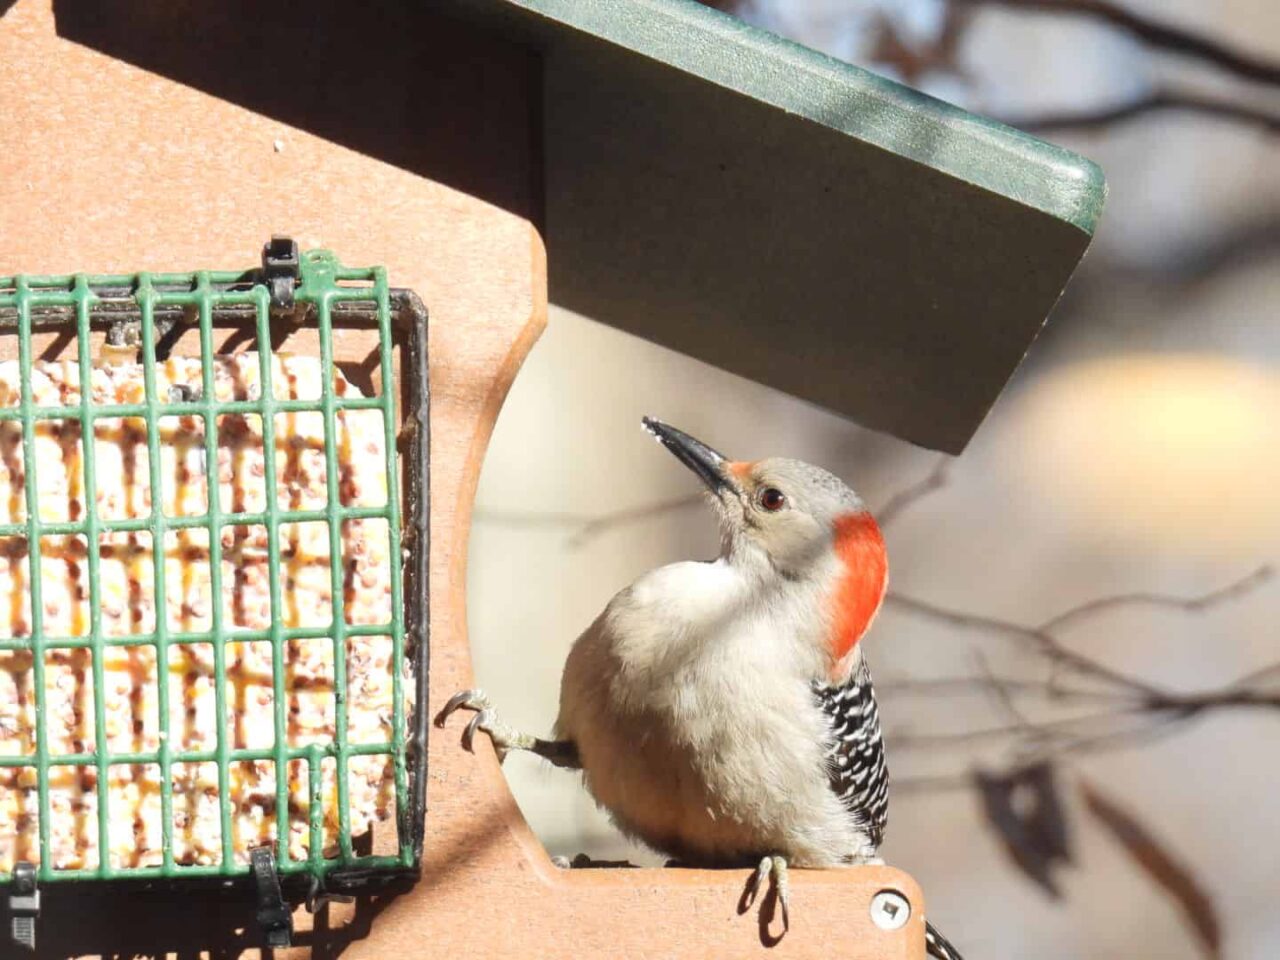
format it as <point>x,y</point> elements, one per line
<point>694,454</point>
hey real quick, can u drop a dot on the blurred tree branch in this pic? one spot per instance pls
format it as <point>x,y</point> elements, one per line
<point>900,501</point>
<point>1168,101</point>
<point>1154,33</point>
<point>1132,695</point>
<point>913,60</point>
<point>594,527</point>
<point>1177,880</point>
<point>1048,645</point>
<point>586,527</point>
<point>1242,245</point>
<point>1134,698</point>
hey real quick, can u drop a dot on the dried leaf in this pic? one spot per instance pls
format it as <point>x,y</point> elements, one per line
<point>1023,807</point>
<point>1161,866</point>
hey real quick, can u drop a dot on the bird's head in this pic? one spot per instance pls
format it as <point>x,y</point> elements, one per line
<point>790,519</point>
<point>787,512</point>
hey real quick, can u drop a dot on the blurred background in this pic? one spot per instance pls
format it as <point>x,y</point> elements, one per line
<point>1075,660</point>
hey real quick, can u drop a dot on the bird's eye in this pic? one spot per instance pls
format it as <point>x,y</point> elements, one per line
<point>772,499</point>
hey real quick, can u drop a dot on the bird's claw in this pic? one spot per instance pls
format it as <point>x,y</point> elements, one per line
<point>757,881</point>
<point>473,699</point>
<point>484,721</point>
<point>772,868</point>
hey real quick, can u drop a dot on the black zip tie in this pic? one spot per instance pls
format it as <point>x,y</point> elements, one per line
<point>317,896</point>
<point>274,916</point>
<point>282,270</point>
<point>24,905</point>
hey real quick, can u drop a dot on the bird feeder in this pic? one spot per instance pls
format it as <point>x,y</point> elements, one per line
<point>655,165</point>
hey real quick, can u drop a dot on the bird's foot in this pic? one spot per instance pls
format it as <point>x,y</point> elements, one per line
<point>562,753</point>
<point>485,721</point>
<point>772,868</point>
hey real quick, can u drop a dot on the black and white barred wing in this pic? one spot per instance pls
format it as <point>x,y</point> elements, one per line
<point>859,773</point>
<point>856,759</point>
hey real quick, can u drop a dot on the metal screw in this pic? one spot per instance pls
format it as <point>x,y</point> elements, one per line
<point>890,910</point>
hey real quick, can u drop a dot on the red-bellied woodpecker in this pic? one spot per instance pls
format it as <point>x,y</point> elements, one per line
<point>723,712</point>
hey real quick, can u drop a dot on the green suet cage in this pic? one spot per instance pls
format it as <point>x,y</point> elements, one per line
<point>149,317</point>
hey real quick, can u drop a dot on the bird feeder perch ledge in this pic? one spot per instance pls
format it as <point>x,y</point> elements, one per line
<point>485,865</point>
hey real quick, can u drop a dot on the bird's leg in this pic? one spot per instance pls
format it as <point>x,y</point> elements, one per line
<point>562,753</point>
<point>772,867</point>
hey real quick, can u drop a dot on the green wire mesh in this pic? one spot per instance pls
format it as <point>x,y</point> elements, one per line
<point>323,289</point>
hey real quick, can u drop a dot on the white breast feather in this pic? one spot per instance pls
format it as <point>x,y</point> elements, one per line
<point>689,699</point>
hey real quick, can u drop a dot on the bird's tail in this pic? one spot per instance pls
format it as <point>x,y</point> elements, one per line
<point>937,945</point>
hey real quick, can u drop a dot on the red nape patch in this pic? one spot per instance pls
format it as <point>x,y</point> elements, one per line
<point>860,588</point>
